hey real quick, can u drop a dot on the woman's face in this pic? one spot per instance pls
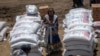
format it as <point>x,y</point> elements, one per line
<point>51,12</point>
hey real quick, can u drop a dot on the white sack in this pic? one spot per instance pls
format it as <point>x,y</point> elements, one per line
<point>78,17</point>
<point>79,23</point>
<point>78,52</point>
<point>33,38</point>
<point>80,47</point>
<point>32,28</point>
<point>29,18</point>
<point>32,24</point>
<point>84,35</point>
<point>79,28</point>
<point>2,24</point>
<point>19,44</point>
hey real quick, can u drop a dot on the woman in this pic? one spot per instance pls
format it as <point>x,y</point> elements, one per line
<point>52,38</point>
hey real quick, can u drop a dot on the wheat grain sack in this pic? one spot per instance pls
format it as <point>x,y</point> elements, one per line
<point>75,17</point>
<point>32,38</point>
<point>26,17</point>
<point>75,23</point>
<point>2,24</point>
<point>78,37</point>
<point>78,28</point>
<point>27,24</point>
<point>77,52</point>
<point>27,20</point>
<point>31,25</point>
<point>80,42</point>
<point>81,35</point>
<point>79,11</point>
<point>26,30</point>
<point>3,33</point>
<point>79,23</point>
<point>19,44</point>
<point>80,47</point>
<point>91,44</point>
<point>78,17</point>
<point>77,42</point>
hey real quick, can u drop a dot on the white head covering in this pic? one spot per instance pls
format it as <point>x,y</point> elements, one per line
<point>31,9</point>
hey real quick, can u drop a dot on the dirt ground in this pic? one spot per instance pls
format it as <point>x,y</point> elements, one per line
<point>10,8</point>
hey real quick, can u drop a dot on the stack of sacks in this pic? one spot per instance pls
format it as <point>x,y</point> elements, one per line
<point>26,31</point>
<point>3,30</point>
<point>79,35</point>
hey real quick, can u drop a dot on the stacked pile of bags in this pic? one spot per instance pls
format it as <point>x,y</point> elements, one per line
<point>79,37</point>
<point>26,31</point>
<point>3,30</point>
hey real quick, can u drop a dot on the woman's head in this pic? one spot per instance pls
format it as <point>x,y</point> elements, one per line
<point>51,12</point>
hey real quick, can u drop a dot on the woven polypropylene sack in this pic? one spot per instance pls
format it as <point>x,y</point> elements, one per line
<point>78,52</point>
<point>3,33</point>
<point>32,38</point>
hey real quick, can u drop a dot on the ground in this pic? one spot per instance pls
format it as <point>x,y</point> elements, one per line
<point>10,8</point>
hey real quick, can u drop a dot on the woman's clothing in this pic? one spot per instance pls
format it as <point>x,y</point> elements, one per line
<point>52,37</point>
